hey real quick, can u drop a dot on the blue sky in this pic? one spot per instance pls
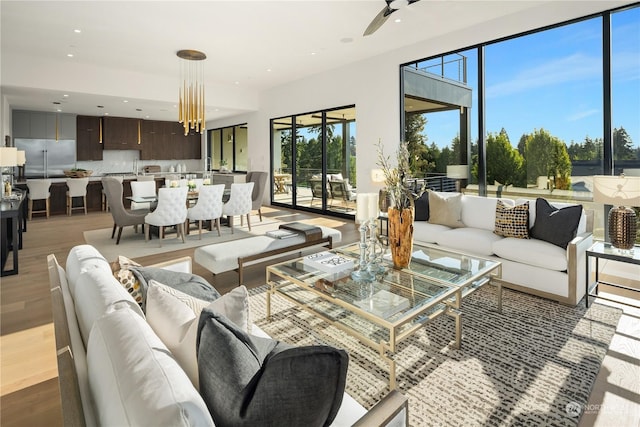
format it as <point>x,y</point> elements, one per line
<point>553,80</point>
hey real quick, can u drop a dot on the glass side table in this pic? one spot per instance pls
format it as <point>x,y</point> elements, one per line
<point>603,250</point>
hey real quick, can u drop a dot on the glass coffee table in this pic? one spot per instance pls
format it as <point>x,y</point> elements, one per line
<point>388,310</point>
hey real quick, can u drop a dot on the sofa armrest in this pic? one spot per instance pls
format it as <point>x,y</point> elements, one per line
<point>180,265</point>
<point>392,410</point>
<point>576,255</point>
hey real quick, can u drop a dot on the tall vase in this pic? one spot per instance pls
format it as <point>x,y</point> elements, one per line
<point>401,236</point>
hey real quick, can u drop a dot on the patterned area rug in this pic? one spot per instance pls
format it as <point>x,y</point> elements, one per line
<point>535,364</point>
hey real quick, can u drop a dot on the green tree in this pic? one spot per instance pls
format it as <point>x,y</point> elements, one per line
<point>622,145</point>
<point>420,159</point>
<point>546,155</point>
<point>504,162</point>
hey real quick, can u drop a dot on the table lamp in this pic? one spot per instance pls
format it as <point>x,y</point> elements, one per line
<point>457,172</point>
<point>619,191</point>
<point>8,159</point>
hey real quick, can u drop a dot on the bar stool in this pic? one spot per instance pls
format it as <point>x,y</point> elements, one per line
<point>77,187</point>
<point>39,190</point>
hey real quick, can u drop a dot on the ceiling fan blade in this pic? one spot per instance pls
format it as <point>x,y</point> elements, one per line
<point>379,20</point>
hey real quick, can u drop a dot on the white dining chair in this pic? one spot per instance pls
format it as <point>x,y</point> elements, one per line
<point>208,207</point>
<point>39,190</point>
<point>239,203</point>
<point>171,211</point>
<point>140,189</point>
<point>77,187</point>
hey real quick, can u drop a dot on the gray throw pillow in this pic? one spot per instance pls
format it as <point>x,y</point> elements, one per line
<point>249,381</point>
<point>190,284</point>
<point>553,225</point>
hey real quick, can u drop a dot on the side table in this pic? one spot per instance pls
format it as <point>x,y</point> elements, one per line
<point>602,250</point>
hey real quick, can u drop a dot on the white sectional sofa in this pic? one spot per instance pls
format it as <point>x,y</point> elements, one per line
<point>528,265</point>
<point>113,368</point>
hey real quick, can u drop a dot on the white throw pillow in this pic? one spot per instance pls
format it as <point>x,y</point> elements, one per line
<point>134,379</point>
<point>174,315</point>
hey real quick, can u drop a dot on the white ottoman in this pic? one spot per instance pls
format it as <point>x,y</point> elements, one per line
<point>236,254</point>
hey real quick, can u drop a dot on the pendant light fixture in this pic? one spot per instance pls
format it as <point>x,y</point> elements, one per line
<point>191,93</point>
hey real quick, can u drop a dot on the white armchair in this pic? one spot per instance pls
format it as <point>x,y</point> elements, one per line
<point>171,210</point>
<point>239,203</point>
<point>141,189</point>
<point>208,206</point>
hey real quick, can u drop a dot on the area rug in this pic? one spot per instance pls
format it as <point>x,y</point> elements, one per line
<point>133,245</point>
<point>535,364</point>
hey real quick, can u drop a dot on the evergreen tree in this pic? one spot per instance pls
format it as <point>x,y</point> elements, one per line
<point>622,145</point>
<point>546,155</point>
<point>504,162</point>
<point>420,160</point>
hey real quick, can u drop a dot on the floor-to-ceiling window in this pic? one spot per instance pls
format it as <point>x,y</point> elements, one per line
<point>541,121</point>
<point>313,160</point>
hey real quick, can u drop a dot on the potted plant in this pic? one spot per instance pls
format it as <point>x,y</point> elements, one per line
<point>223,165</point>
<point>402,198</point>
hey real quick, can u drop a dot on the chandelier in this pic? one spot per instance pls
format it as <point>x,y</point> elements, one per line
<point>191,93</point>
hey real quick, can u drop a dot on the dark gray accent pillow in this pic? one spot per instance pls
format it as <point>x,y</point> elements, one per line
<point>422,207</point>
<point>250,381</point>
<point>553,225</point>
<point>190,284</point>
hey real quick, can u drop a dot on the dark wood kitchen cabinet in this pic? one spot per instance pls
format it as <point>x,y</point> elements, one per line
<point>121,133</point>
<point>162,140</point>
<point>89,139</point>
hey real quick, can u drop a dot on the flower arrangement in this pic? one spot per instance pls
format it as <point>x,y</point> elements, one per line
<point>402,195</point>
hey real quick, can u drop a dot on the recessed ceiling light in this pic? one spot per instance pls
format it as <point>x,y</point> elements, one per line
<point>59,110</point>
<point>106,114</point>
<point>398,20</point>
<point>65,96</point>
<point>236,82</point>
<point>146,117</point>
<point>346,40</point>
<point>77,30</point>
<point>268,70</point>
<point>313,53</point>
<point>70,55</point>
<point>125,101</point>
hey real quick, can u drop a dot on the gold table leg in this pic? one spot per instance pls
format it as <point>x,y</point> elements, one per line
<point>457,316</point>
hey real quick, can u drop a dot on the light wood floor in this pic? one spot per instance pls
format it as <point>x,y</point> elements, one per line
<point>29,393</point>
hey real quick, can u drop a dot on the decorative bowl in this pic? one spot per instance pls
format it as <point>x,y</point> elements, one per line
<point>77,173</point>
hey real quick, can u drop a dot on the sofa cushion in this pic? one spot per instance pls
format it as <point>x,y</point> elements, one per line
<point>553,225</point>
<point>134,378</point>
<point>428,233</point>
<point>189,283</point>
<point>422,207</point>
<point>96,293</point>
<point>512,221</point>
<point>83,258</point>
<point>537,253</point>
<point>123,274</point>
<point>173,315</point>
<point>445,209</point>
<point>480,212</point>
<point>473,240</point>
<point>248,381</point>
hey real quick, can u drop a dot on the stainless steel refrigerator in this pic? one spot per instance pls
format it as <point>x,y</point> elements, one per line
<point>47,158</point>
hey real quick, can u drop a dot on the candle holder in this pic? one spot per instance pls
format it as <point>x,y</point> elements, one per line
<point>362,272</point>
<point>375,255</point>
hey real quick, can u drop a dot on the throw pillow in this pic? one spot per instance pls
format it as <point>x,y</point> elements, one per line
<point>173,315</point>
<point>556,226</point>
<point>121,269</point>
<point>512,221</point>
<point>248,381</point>
<point>188,283</point>
<point>422,207</point>
<point>445,209</point>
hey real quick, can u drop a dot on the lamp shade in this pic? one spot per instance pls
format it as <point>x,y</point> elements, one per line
<point>21,158</point>
<point>457,171</point>
<point>8,156</point>
<point>616,190</point>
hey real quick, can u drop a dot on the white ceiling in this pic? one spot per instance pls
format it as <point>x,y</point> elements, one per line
<point>126,49</point>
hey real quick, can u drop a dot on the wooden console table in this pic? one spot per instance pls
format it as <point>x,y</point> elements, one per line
<point>11,216</point>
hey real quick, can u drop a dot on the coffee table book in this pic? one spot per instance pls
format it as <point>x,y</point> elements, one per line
<point>328,262</point>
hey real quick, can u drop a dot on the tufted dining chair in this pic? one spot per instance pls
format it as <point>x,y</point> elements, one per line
<point>259,180</point>
<point>140,189</point>
<point>239,203</point>
<point>208,206</point>
<point>171,210</point>
<point>39,190</point>
<point>77,187</point>
<point>121,217</point>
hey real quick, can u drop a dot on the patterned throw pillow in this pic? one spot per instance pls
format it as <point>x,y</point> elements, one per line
<point>127,279</point>
<point>512,221</point>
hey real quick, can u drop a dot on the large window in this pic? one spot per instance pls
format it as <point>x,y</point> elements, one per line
<point>228,148</point>
<point>547,124</point>
<point>313,160</point>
